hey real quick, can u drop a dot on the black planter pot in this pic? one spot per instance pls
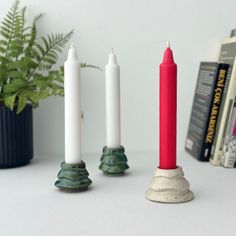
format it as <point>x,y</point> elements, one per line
<point>16,137</point>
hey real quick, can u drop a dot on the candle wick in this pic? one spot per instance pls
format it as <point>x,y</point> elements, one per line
<point>112,50</point>
<point>168,44</point>
<point>72,45</point>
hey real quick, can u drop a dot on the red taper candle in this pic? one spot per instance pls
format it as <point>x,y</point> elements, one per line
<point>168,108</point>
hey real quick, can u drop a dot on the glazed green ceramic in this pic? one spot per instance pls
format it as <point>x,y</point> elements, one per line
<point>113,161</point>
<point>73,177</point>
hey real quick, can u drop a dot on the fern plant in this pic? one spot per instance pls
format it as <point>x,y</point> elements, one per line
<point>26,62</point>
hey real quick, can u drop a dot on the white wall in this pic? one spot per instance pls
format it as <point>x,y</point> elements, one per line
<point>138,31</point>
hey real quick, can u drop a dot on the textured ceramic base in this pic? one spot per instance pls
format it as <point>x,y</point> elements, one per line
<point>113,161</point>
<point>73,177</point>
<point>169,186</point>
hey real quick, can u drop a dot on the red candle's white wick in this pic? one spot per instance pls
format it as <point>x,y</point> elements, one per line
<point>168,44</point>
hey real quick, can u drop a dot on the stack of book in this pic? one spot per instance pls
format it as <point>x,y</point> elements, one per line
<point>212,127</point>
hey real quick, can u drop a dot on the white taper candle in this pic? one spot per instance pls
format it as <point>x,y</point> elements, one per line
<point>113,102</point>
<point>72,108</point>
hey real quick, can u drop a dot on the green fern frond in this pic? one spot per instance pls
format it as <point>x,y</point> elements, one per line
<point>10,29</point>
<point>23,33</point>
<point>85,65</point>
<point>24,61</point>
<point>7,32</point>
<point>33,33</point>
<point>47,54</point>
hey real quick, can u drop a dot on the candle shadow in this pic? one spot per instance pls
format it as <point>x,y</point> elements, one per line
<point>116,175</point>
<point>71,191</point>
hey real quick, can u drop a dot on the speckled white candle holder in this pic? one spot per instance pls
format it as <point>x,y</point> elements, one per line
<point>169,186</point>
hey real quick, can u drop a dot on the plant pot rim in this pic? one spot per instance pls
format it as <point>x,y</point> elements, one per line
<point>27,105</point>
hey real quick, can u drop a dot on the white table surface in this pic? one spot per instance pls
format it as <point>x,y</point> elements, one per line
<point>30,205</point>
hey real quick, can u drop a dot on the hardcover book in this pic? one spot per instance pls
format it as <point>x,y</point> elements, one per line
<point>206,105</point>
<point>227,55</point>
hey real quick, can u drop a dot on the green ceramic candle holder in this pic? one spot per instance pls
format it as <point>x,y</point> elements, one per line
<point>73,177</point>
<point>113,161</point>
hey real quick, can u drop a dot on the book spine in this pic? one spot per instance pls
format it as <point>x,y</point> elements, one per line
<point>229,150</point>
<point>214,111</point>
<point>206,82</point>
<point>230,154</point>
<point>218,143</point>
